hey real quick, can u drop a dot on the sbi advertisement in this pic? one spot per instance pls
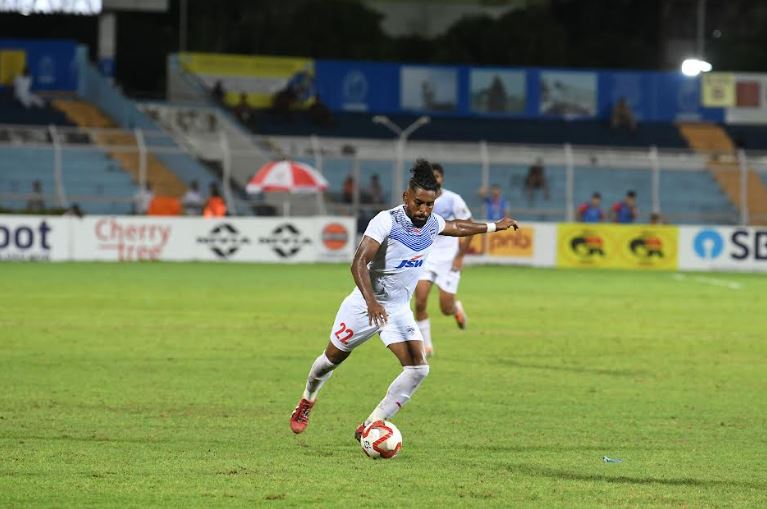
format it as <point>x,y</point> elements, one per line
<point>723,248</point>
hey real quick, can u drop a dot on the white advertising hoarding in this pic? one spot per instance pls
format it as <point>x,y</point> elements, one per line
<point>125,238</point>
<point>723,248</point>
<point>34,238</point>
<point>139,238</point>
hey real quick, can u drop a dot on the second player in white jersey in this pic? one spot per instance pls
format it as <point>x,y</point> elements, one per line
<point>386,268</point>
<point>444,265</point>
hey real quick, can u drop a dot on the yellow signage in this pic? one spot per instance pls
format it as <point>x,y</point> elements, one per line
<point>12,62</point>
<point>617,246</point>
<point>258,77</point>
<point>718,90</point>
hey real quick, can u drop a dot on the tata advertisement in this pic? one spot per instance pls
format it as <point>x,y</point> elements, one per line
<point>723,248</point>
<point>617,246</point>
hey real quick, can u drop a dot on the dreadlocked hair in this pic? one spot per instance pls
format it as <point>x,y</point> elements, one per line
<point>423,176</point>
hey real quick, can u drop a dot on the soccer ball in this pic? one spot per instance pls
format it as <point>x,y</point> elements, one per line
<point>381,439</point>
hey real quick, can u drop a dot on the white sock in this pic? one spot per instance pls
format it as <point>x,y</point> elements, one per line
<point>425,327</point>
<point>318,375</point>
<point>399,393</point>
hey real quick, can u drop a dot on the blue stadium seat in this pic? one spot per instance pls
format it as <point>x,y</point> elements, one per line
<point>684,194</point>
<point>88,173</point>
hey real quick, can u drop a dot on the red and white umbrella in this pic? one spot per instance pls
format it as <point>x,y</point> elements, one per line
<point>289,176</point>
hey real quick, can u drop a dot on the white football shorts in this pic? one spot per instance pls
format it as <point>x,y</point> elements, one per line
<point>352,326</point>
<point>441,274</point>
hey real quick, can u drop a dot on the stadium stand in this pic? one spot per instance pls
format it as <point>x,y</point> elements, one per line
<point>714,140</point>
<point>13,113</point>
<point>85,173</point>
<point>685,195</point>
<point>595,133</point>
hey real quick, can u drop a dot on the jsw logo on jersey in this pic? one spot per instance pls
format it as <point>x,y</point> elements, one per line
<point>413,262</point>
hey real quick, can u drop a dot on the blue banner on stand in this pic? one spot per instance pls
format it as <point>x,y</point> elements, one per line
<point>574,94</point>
<point>51,62</point>
<point>358,86</point>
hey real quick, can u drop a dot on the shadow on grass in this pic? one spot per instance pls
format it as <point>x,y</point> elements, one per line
<point>541,471</point>
<point>571,369</point>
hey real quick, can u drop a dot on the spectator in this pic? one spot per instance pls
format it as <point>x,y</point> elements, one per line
<point>142,199</point>
<point>496,207</point>
<point>319,113</point>
<point>215,206</point>
<point>374,193</point>
<point>242,110</point>
<point>192,200</point>
<point>218,93</point>
<point>591,212</point>
<point>626,211</point>
<point>22,90</point>
<point>656,218</point>
<point>623,116</point>
<point>36,202</point>
<point>74,211</point>
<point>347,192</point>
<point>536,179</point>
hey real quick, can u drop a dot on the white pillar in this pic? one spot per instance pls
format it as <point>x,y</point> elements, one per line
<point>142,159</point>
<point>58,174</point>
<point>655,179</point>
<point>107,43</point>
<point>743,164</point>
<point>226,173</point>
<point>570,184</point>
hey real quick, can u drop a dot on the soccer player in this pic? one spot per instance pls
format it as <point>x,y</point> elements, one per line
<point>385,268</point>
<point>444,264</point>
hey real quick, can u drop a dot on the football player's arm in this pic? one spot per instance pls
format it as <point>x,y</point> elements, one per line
<point>365,253</point>
<point>465,228</point>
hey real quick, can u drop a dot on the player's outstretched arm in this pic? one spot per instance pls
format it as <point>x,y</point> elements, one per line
<point>366,251</point>
<point>464,228</point>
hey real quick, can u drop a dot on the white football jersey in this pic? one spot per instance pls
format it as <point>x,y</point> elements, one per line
<point>450,206</point>
<point>395,269</point>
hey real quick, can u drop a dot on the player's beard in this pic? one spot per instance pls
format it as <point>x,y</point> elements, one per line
<point>419,223</point>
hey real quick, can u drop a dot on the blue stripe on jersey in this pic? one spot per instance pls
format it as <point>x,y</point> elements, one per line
<point>402,231</point>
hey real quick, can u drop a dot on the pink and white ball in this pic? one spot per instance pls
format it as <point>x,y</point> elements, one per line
<point>381,439</point>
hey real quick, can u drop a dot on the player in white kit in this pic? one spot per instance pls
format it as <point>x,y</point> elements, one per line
<point>444,265</point>
<point>386,268</point>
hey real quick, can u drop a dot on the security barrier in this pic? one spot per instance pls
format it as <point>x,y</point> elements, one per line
<point>333,239</point>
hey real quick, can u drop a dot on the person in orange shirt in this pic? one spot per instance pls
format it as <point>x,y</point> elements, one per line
<point>215,206</point>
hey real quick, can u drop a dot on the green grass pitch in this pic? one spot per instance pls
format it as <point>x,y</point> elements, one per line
<point>171,385</point>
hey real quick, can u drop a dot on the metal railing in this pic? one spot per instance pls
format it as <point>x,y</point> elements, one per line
<point>470,167</point>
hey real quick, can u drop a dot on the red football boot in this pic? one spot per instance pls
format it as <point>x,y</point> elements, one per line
<point>300,417</point>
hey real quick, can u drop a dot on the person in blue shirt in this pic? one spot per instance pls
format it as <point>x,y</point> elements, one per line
<point>496,207</point>
<point>626,211</point>
<point>591,212</point>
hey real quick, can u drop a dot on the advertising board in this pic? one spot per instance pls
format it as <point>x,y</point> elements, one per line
<point>617,246</point>
<point>723,248</point>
